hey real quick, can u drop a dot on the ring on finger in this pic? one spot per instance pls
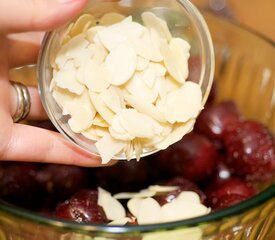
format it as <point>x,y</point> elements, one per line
<point>23,102</point>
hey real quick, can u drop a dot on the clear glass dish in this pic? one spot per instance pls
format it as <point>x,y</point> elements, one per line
<point>184,20</point>
<point>245,71</point>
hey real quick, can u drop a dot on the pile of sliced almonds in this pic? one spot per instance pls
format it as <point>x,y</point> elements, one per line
<point>124,85</point>
<point>147,210</point>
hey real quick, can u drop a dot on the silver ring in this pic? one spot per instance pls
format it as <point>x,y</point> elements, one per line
<point>23,102</point>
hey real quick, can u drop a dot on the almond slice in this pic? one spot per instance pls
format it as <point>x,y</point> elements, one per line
<point>101,107</point>
<point>119,222</point>
<point>80,23</point>
<point>112,207</point>
<point>145,107</point>
<point>181,49</point>
<point>138,148</point>
<point>66,79</point>
<point>117,131</point>
<point>180,129</point>
<point>137,87</point>
<point>142,194</point>
<point>99,121</point>
<point>91,134</point>
<point>121,64</point>
<point>99,53</point>
<point>149,75</point>
<point>145,48</point>
<point>131,120</point>
<point>150,20</point>
<point>92,32</point>
<point>183,104</point>
<point>142,63</point>
<point>149,212</point>
<point>81,118</point>
<point>62,96</point>
<point>159,69</point>
<point>129,150</point>
<point>161,189</point>
<point>66,35</point>
<point>108,147</point>
<point>111,18</point>
<point>171,62</point>
<point>189,196</point>
<point>133,205</point>
<point>76,44</point>
<point>112,99</point>
<point>180,210</point>
<point>95,77</point>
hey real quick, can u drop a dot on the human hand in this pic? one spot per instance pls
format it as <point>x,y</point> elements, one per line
<point>18,47</point>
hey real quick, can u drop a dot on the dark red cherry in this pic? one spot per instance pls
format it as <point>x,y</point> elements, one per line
<point>214,119</point>
<point>61,181</point>
<point>228,201</point>
<point>82,207</point>
<point>251,150</point>
<point>194,157</point>
<point>216,191</point>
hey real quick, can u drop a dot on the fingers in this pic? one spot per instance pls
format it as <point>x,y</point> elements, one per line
<point>37,111</point>
<point>23,48</point>
<point>39,145</point>
<point>36,15</point>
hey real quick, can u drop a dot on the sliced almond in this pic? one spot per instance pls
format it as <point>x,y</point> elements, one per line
<point>145,107</point>
<point>66,79</point>
<point>92,32</point>
<point>142,194</point>
<point>137,87</point>
<point>111,18</point>
<point>81,22</point>
<point>118,131</point>
<point>189,196</point>
<point>83,56</point>
<point>180,49</point>
<point>150,20</point>
<point>161,189</point>
<point>101,107</point>
<point>160,69</point>
<point>76,44</point>
<point>99,121</point>
<point>112,99</point>
<point>131,120</point>
<point>184,104</point>
<point>180,129</point>
<point>181,210</point>
<point>62,96</point>
<point>108,147</point>
<point>149,75</point>
<point>112,207</point>
<point>66,35</point>
<point>133,205</point>
<point>96,77</point>
<point>138,148</point>
<point>145,48</point>
<point>91,134</point>
<point>149,212</point>
<point>121,64</point>
<point>129,151</point>
<point>171,62</point>
<point>142,63</point>
<point>120,222</point>
<point>81,118</point>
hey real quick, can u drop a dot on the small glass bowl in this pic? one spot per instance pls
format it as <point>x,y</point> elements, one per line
<point>184,20</point>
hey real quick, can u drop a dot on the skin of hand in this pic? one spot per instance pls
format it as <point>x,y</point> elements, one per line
<point>22,24</point>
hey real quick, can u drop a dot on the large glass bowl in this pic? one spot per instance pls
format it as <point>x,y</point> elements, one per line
<point>183,19</point>
<point>245,71</point>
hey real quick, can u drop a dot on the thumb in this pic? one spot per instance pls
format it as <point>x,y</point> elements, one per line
<point>36,15</point>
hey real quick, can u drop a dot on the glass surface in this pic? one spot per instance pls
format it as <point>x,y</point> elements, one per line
<point>183,19</point>
<point>245,71</point>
